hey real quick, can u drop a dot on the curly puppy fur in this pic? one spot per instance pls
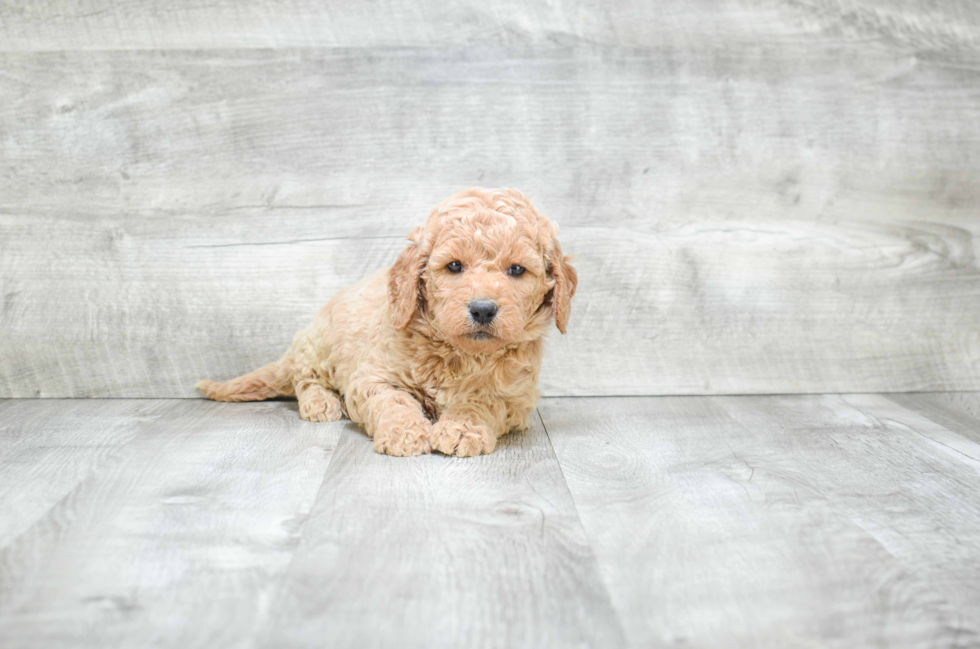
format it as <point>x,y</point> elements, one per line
<point>403,353</point>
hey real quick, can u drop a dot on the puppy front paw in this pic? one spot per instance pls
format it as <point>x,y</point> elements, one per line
<point>403,438</point>
<point>463,439</point>
<point>321,405</point>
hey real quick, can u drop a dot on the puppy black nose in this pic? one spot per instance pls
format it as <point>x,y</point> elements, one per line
<point>483,311</point>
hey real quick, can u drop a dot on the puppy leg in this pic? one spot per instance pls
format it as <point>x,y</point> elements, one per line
<point>317,403</point>
<point>469,429</point>
<point>392,417</point>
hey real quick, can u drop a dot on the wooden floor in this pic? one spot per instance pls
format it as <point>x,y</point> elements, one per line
<point>777,521</point>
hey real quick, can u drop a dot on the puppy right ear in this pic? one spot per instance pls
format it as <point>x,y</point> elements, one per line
<point>566,281</point>
<point>405,281</point>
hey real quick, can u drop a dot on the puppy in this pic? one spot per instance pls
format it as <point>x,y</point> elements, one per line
<point>442,351</point>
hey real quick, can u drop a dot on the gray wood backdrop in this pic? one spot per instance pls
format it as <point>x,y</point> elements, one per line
<point>763,196</point>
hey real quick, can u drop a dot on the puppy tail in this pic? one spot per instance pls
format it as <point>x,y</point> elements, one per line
<point>273,380</point>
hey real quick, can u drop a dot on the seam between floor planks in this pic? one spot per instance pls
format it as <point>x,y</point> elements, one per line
<point>111,439</point>
<point>605,585</point>
<point>585,529</point>
<point>277,591</point>
<point>932,604</point>
<point>488,551</point>
<point>154,485</point>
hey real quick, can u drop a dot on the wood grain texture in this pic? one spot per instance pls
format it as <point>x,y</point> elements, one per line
<point>47,449</point>
<point>179,541</point>
<point>798,216</point>
<point>771,521</point>
<point>831,521</point>
<point>182,24</point>
<point>956,411</point>
<point>907,481</point>
<point>444,552</point>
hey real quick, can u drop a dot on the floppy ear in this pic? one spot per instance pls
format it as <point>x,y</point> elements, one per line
<point>566,280</point>
<point>405,281</point>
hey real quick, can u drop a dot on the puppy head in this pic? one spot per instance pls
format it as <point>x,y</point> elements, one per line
<point>485,271</point>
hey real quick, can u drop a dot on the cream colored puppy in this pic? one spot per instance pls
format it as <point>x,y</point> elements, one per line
<point>443,350</point>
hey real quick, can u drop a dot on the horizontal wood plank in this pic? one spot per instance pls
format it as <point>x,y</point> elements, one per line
<point>771,521</point>
<point>179,541</point>
<point>143,311</point>
<point>638,136</point>
<point>170,216</point>
<point>444,552</point>
<point>184,24</point>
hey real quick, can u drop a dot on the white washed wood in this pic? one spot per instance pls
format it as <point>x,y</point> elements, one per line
<point>821,520</point>
<point>151,314</point>
<point>180,541</point>
<point>802,129</point>
<point>102,24</point>
<point>444,552</point>
<point>47,448</point>
<point>827,247</point>
<point>947,434</point>
<point>713,533</point>
<point>909,482</point>
<point>955,411</point>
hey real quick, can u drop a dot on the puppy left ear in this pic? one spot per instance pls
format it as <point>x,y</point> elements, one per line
<point>405,281</point>
<point>566,281</point>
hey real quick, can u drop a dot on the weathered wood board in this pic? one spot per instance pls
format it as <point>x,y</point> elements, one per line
<point>936,25</point>
<point>47,450</point>
<point>172,216</point>
<point>444,552</point>
<point>180,540</point>
<point>905,479</point>
<point>814,520</point>
<point>955,411</point>
<point>761,198</point>
<point>774,521</point>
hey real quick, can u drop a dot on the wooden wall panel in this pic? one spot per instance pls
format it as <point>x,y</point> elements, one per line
<point>794,214</point>
<point>944,25</point>
<point>138,307</point>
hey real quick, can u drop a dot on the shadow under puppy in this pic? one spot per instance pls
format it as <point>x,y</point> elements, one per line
<point>443,350</point>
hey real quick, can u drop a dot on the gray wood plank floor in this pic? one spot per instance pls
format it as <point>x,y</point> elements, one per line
<point>487,553</point>
<point>178,541</point>
<point>830,520</point>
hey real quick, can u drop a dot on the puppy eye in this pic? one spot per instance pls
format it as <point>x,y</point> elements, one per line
<point>516,271</point>
<point>454,267</point>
